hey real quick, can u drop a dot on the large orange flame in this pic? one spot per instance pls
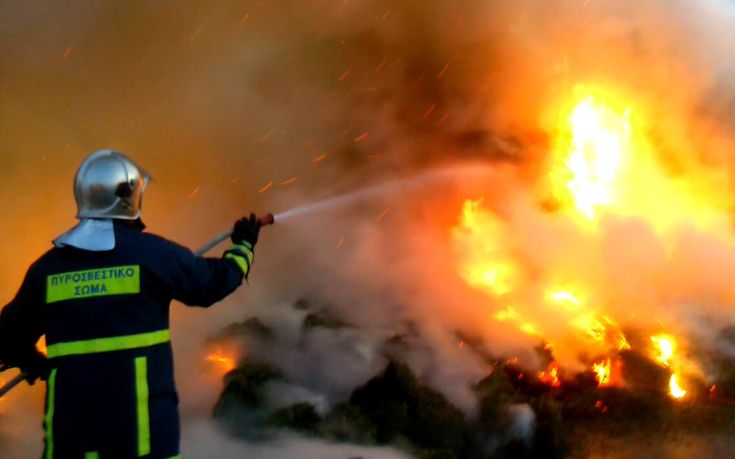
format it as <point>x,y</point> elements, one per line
<point>603,164</point>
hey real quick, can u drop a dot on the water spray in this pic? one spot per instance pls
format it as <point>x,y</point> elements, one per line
<point>335,201</point>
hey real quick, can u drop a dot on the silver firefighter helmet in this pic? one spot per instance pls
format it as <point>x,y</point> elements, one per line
<point>108,184</point>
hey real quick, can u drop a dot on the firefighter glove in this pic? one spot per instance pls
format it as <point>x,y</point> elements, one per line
<point>246,230</point>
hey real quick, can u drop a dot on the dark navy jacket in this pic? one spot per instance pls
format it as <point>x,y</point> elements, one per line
<point>105,315</point>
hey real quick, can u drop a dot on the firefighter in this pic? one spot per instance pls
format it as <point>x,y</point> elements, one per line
<point>101,296</point>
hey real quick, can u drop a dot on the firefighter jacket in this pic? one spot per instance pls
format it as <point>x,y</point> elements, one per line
<point>110,390</point>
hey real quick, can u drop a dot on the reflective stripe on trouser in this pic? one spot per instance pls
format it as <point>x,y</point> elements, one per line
<point>49,418</point>
<point>141,394</point>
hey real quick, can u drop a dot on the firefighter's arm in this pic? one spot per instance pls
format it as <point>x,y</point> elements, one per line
<point>197,281</point>
<point>21,325</point>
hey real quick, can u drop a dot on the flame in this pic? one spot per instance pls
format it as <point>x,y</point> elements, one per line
<point>600,140</point>
<point>489,265</point>
<point>604,161</point>
<point>664,345</point>
<point>225,362</point>
<point>622,343</point>
<point>551,375</point>
<point>674,389</point>
<point>567,299</point>
<point>591,327</point>
<point>602,372</point>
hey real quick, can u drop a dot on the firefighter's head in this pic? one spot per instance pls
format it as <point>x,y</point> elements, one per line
<point>108,184</point>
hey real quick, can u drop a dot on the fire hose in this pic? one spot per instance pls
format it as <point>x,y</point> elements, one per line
<point>265,220</point>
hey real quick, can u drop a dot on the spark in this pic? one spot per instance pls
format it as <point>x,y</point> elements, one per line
<point>386,14</point>
<point>290,181</point>
<point>266,136</point>
<point>193,193</point>
<point>340,242</point>
<point>245,18</point>
<point>382,63</point>
<point>442,119</point>
<point>266,188</point>
<point>382,214</point>
<point>345,74</point>
<point>67,52</point>
<point>443,71</point>
<point>362,137</point>
<point>319,158</point>
<point>429,111</point>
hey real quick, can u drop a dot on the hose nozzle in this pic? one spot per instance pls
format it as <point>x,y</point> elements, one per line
<point>267,219</point>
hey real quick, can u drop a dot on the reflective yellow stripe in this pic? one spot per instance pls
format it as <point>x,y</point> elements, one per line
<point>49,418</point>
<point>241,263</point>
<point>92,455</point>
<point>243,255</point>
<point>116,280</point>
<point>246,250</point>
<point>141,392</point>
<point>116,343</point>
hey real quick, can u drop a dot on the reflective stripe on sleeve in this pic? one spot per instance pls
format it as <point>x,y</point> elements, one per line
<point>243,255</point>
<point>92,455</point>
<point>115,343</point>
<point>141,393</point>
<point>49,418</point>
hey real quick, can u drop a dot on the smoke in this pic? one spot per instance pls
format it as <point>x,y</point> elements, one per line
<point>269,105</point>
<point>200,439</point>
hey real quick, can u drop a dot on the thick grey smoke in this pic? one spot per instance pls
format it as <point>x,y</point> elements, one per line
<point>267,105</point>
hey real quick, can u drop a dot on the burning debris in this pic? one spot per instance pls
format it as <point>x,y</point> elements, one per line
<point>517,413</point>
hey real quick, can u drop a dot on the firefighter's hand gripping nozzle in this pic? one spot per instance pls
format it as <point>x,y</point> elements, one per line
<point>247,228</point>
